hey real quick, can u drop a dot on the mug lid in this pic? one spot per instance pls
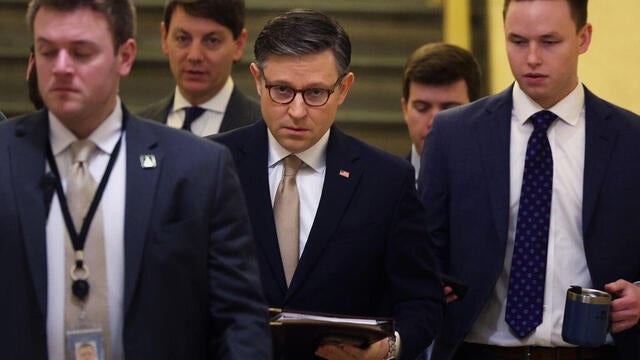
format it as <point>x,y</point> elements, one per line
<point>589,296</point>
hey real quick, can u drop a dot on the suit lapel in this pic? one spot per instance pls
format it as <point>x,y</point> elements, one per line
<point>167,105</point>
<point>493,127</point>
<point>27,158</point>
<point>599,142</point>
<point>231,113</point>
<point>252,166</point>
<point>342,175</point>
<point>140,190</point>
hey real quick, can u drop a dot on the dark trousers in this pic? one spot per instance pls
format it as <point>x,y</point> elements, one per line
<point>469,351</point>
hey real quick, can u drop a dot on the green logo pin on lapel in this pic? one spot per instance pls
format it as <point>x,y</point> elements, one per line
<point>148,161</point>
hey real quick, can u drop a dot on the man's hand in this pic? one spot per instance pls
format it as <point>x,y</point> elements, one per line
<point>449,296</point>
<point>625,310</point>
<point>377,351</point>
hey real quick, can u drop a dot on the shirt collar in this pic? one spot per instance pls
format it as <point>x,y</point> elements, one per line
<point>104,136</point>
<point>218,103</point>
<point>567,109</point>
<point>314,157</point>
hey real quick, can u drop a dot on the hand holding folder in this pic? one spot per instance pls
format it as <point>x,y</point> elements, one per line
<point>296,332</point>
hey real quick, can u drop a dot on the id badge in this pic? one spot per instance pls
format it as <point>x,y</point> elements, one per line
<point>85,344</point>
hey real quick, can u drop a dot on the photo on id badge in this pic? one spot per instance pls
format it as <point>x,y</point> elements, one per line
<point>85,345</point>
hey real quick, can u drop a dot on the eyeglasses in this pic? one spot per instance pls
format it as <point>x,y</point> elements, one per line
<point>314,97</point>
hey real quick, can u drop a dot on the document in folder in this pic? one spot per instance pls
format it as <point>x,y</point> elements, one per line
<point>303,332</point>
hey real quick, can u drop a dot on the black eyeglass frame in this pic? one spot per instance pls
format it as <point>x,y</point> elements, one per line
<point>302,91</point>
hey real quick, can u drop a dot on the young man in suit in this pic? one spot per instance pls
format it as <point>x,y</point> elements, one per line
<point>436,77</point>
<point>164,267</point>
<point>358,245</point>
<point>203,39</point>
<point>531,191</point>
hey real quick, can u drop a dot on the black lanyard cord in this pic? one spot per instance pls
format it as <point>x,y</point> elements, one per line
<point>78,240</point>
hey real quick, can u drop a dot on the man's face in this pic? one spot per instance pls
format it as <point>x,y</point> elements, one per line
<point>77,68</point>
<point>543,48</point>
<point>425,101</point>
<point>298,126</point>
<point>201,54</point>
<point>87,353</point>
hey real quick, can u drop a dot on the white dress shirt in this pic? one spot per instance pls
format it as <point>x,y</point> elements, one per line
<point>113,203</point>
<point>309,180</point>
<point>415,161</point>
<point>209,122</point>
<point>566,261</point>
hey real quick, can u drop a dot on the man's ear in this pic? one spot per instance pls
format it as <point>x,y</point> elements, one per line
<point>404,104</point>
<point>585,38</point>
<point>240,42</point>
<point>127,54</point>
<point>345,85</point>
<point>164,33</point>
<point>257,76</point>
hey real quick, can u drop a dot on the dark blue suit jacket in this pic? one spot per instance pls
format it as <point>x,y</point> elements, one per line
<point>367,254</point>
<point>240,111</point>
<point>466,193</point>
<point>191,285</point>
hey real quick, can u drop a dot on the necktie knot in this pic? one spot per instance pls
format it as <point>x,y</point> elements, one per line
<point>292,164</point>
<point>81,150</point>
<point>190,115</point>
<point>80,184</point>
<point>542,120</point>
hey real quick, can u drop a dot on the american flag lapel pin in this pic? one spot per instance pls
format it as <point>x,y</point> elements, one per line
<point>148,161</point>
<point>344,174</point>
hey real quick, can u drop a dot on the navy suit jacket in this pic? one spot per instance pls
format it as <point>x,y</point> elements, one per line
<point>191,283</point>
<point>367,253</point>
<point>466,193</point>
<point>240,111</point>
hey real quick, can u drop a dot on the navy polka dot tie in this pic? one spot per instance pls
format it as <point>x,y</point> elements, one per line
<point>525,297</point>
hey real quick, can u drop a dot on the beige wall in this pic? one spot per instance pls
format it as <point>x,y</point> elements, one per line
<point>611,67</point>
<point>456,23</point>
